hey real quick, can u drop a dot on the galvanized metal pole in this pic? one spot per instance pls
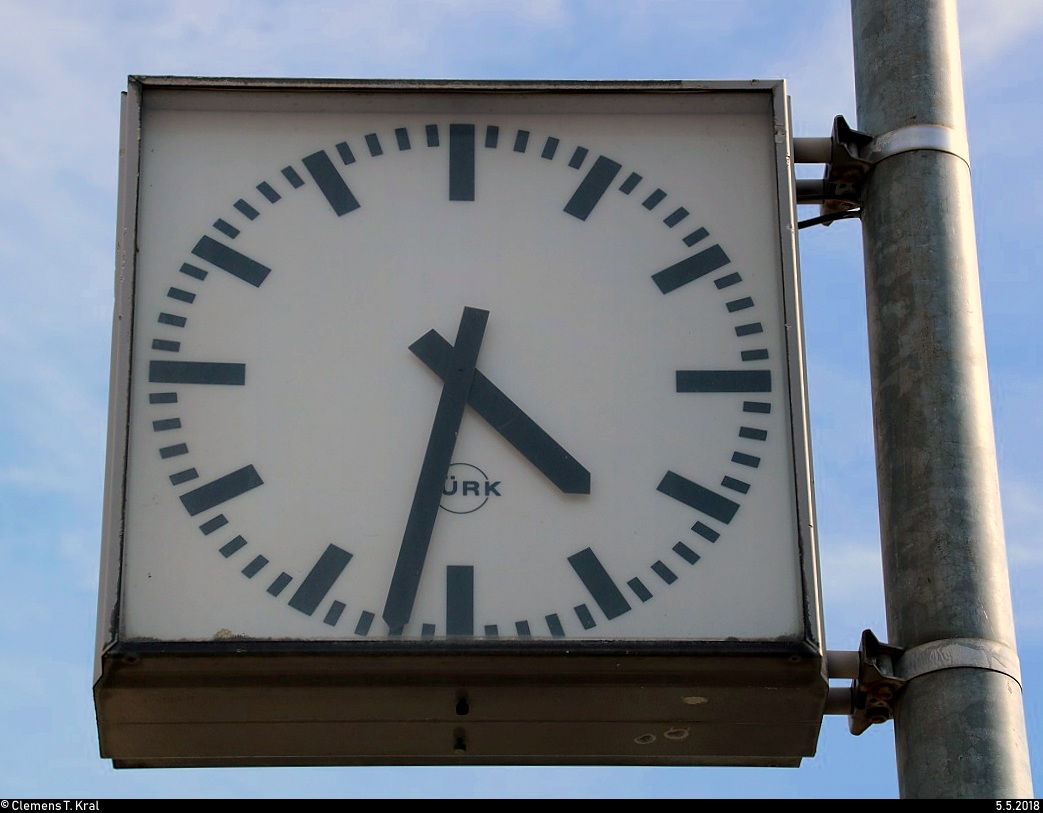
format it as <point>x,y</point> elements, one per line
<point>959,725</point>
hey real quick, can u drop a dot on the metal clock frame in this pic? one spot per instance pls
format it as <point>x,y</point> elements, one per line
<point>453,701</point>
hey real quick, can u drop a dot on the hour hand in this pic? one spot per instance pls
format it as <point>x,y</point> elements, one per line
<point>503,415</point>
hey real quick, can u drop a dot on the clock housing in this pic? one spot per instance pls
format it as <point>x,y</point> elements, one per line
<point>615,559</point>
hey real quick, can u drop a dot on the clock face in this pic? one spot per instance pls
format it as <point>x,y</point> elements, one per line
<point>429,366</point>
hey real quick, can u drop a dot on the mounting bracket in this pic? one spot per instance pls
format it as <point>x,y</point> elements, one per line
<point>840,189</point>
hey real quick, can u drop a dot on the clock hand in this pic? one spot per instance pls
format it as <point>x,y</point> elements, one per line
<point>517,428</point>
<point>421,522</point>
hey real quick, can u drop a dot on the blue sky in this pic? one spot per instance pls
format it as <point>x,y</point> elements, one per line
<point>63,65</point>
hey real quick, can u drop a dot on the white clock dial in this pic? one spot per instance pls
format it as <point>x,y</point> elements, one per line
<point>406,371</point>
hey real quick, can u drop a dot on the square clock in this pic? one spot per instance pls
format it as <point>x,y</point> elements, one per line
<point>457,422</point>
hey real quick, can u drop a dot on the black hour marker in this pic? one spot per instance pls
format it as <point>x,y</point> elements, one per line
<point>628,186</point>
<point>740,304</point>
<point>431,130</point>
<point>578,157</point>
<point>214,524</point>
<point>459,608</point>
<point>686,553</point>
<point>269,193</point>
<point>521,141</point>
<point>746,459</point>
<point>172,319</point>
<point>675,217</point>
<point>727,281</point>
<point>320,579</point>
<point>754,355</point>
<point>290,174</point>
<point>334,613</point>
<point>492,136</point>
<point>230,260</point>
<point>182,296</point>
<point>280,583</point>
<point>749,330</point>
<point>586,620</point>
<point>246,209</point>
<point>461,162</point>
<point>167,345</point>
<point>346,155</point>
<point>639,589</point>
<point>706,532</point>
<point>256,566</point>
<point>592,188</point>
<point>373,144</point>
<point>427,630</point>
<point>231,546</point>
<point>696,496</point>
<point>184,476</point>
<point>522,628</point>
<point>736,485</point>
<point>192,271</point>
<point>221,490</point>
<point>550,148</point>
<point>402,138</point>
<point>724,380</point>
<point>196,372</point>
<point>492,631</point>
<point>226,228</point>
<point>173,451</point>
<point>688,270</point>
<point>554,625</point>
<point>752,433</point>
<point>598,583</point>
<point>695,237</point>
<point>330,183</point>
<point>654,199</point>
<point>166,424</point>
<point>663,572</point>
<point>365,622</point>
<point>162,398</point>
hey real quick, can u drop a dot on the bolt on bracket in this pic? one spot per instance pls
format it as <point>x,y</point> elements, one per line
<point>877,687</point>
<point>840,189</point>
<point>880,672</point>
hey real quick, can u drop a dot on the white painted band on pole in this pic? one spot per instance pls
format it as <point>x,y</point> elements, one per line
<point>959,653</point>
<point>917,137</point>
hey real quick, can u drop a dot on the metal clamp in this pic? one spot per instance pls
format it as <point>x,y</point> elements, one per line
<point>917,137</point>
<point>850,154</point>
<point>877,687</point>
<point>883,671</point>
<point>840,189</point>
<point>959,653</point>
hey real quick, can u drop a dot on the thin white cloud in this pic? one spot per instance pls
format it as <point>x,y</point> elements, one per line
<point>1023,519</point>
<point>852,591</point>
<point>990,32</point>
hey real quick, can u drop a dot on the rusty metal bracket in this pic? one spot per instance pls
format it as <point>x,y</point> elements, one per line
<point>849,155</point>
<point>846,169</point>
<point>840,189</point>
<point>877,687</point>
<point>880,672</point>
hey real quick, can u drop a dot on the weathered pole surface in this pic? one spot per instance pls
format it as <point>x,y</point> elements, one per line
<point>959,724</point>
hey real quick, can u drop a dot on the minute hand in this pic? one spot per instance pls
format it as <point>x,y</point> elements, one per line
<point>440,445</point>
<point>517,428</point>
